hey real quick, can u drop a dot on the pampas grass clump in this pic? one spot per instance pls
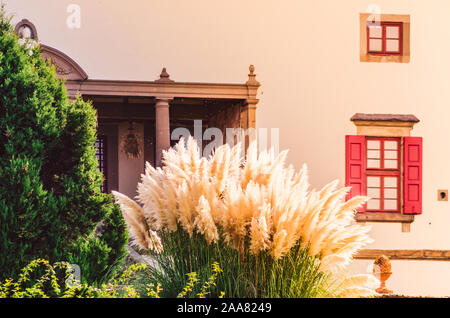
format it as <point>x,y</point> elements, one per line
<point>271,234</point>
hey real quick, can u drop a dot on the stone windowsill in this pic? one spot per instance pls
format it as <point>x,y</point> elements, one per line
<point>384,58</point>
<point>383,217</point>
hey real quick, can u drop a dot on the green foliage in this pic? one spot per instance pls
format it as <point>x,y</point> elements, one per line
<point>192,280</point>
<point>50,198</point>
<point>206,289</point>
<point>39,279</point>
<point>152,292</point>
<point>191,284</point>
<point>295,275</point>
<point>197,284</point>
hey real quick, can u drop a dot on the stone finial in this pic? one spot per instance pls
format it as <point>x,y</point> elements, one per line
<point>252,76</point>
<point>164,77</point>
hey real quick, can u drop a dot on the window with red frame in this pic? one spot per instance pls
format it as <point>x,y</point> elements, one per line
<point>385,38</point>
<point>383,174</point>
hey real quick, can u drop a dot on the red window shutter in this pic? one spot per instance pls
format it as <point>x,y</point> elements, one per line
<point>412,189</point>
<point>355,166</point>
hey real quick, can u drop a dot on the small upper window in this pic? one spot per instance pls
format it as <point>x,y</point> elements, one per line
<point>384,38</point>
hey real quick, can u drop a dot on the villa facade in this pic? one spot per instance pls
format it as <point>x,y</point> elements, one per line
<point>359,92</point>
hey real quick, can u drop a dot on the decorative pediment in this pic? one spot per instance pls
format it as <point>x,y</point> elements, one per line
<point>65,67</point>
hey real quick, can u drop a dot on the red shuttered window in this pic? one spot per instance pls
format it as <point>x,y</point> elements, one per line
<point>385,38</point>
<point>374,167</point>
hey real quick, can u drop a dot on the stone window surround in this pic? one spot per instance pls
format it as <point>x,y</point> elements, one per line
<point>385,125</point>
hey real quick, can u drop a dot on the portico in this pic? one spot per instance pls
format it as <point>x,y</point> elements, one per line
<point>136,118</point>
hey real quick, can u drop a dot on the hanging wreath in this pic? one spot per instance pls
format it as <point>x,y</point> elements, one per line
<point>132,143</point>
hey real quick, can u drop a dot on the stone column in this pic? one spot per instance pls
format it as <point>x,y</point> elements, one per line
<point>162,126</point>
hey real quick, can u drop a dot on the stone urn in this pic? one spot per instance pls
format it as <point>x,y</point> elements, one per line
<point>382,270</point>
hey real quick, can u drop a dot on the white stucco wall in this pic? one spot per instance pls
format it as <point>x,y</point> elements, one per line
<point>306,55</point>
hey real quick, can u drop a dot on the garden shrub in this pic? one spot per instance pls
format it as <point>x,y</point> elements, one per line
<point>50,198</point>
<point>274,236</point>
<point>40,279</point>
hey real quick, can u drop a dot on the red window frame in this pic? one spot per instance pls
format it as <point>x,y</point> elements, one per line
<point>383,38</point>
<point>384,172</point>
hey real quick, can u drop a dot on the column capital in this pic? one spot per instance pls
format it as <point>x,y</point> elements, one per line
<point>251,103</point>
<point>162,101</point>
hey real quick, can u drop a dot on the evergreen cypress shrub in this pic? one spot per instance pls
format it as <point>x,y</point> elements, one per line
<point>50,197</point>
